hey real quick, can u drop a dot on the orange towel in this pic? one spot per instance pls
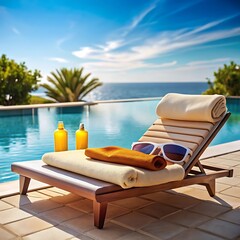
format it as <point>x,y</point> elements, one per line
<point>127,157</point>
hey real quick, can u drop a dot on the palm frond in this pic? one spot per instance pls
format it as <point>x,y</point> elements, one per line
<point>68,85</point>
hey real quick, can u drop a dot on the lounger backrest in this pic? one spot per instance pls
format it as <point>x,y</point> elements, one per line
<point>194,135</point>
<point>186,133</point>
<point>189,120</point>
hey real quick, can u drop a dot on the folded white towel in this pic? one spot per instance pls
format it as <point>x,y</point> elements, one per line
<point>208,108</point>
<point>125,176</point>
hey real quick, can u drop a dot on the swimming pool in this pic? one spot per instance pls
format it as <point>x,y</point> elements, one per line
<point>29,136</point>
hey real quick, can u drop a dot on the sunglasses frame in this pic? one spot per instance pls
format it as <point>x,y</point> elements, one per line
<point>157,145</point>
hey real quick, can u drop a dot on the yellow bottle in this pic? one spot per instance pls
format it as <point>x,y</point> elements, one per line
<point>81,137</point>
<point>60,138</point>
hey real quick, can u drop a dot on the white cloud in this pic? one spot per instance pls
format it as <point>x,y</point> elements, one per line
<point>111,45</point>
<point>127,54</point>
<point>61,41</point>
<point>96,53</point>
<point>206,66</point>
<point>84,52</point>
<point>138,19</point>
<point>136,56</point>
<point>56,59</point>
<point>15,30</point>
<point>123,66</point>
<point>207,62</point>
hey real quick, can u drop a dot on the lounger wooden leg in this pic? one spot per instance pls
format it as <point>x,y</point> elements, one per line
<point>211,187</point>
<point>23,184</point>
<point>99,211</point>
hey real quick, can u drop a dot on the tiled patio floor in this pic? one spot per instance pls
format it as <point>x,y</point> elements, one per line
<point>184,213</point>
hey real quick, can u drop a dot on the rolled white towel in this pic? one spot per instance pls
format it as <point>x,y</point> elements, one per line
<point>207,108</point>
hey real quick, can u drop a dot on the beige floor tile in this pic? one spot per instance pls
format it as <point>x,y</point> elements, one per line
<point>27,226</point>
<point>115,211</point>
<point>37,196</point>
<point>236,171</point>
<point>41,206</point>
<point>175,200</point>
<point>80,224</point>
<point>162,229</point>
<point>66,198</point>
<point>230,157</point>
<point>158,210</point>
<point>109,232</point>
<point>209,209</point>
<point>219,187</point>
<point>231,216</point>
<point>132,203</point>
<point>184,190</point>
<point>233,181</point>
<point>81,237</point>
<point>84,205</point>
<point>6,235</point>
<point>4,205</point>
<point>233,191</point>
<point>209,160</point>
<point>8,188</point>
<point>195,234</point>
<point>19,200</point>
<point>231,162</point>
<point>59,215</point>
<point>59,190</point>
<point>236,153</point>
<point>133,220</point>
<point>136,236</point>
<point>200,194</point>
<point>12,214</point>
<point>227,200</point>
<point>221,228</point>
<point>187,219</point>
<point>49,192</point>
<point>159,196</point>
<point>49,234</point>
<point>214,162</point>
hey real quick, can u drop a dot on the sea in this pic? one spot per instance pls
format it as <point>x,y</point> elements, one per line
<point>114,91</point>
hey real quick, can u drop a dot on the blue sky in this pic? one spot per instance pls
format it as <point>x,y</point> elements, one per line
<point>123,40</point>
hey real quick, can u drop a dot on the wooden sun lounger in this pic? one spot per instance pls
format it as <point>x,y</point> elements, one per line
<point>102,192</point>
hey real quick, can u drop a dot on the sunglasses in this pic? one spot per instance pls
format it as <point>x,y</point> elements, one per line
<point>169,151</point>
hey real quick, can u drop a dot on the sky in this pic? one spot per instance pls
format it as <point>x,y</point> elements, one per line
<point>123,40</point>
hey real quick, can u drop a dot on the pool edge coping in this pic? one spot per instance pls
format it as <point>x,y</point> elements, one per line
<point>84,103</point>
<point>74,104</point>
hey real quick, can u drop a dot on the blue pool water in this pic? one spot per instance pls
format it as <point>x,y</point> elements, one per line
<point>29,136</point>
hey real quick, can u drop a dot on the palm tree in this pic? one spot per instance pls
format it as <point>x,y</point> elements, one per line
<point>69,85</point>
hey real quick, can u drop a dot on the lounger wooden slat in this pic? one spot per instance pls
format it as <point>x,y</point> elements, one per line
<point>174,136</point>
<point>179,130</point>
<point>184,124</point>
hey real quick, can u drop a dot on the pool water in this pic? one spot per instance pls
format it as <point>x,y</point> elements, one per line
<point>29,136</point>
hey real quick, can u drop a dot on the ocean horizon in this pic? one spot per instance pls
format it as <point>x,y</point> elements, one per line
<point>114,91</point>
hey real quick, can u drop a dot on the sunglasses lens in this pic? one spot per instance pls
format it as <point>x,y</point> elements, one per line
<point>143,147</point>
<point>174,152</point>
